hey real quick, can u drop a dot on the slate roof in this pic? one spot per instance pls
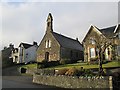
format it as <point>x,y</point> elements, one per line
<point>107,31</point>
<point>25,45</point>
<point>68,42</point>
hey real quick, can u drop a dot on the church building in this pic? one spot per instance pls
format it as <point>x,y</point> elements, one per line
<point>57,47</point>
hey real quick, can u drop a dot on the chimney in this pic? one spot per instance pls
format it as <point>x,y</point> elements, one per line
<point>76,39</point>
<point>34,43</point>
<point>11,45</point>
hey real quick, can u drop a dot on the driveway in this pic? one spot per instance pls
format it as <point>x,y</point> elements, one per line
<point>11,71</point>
<point>11,78</point>
<point>20,82</point>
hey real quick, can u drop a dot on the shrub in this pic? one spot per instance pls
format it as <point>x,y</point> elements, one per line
<point>42,64</point>
<point>52,63</point>
<point>23,70</point>
<point>72,72</point>
<point>88,72</point>
<point>45,64</point>
<point>94,60</point>
<point>105,61</point>
<point>61,71</point>
<point>64,61</point>
<point>81,71</point>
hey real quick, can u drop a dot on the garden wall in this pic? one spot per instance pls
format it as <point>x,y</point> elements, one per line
<point>73,82</point>
<point>31,71</point>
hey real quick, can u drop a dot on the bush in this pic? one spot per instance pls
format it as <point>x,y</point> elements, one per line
<point>42,64</point>
<point>64,61</point>
<point>88,72</point>
<point>94,60</point>
<point>72,72</point>
<point>61,71</point>
<point>23,70</point>
<point>105,61</point>
<point>45,64</point>
<point>81,72</point>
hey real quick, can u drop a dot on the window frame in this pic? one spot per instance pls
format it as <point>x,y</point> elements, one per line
<point>92,53</point>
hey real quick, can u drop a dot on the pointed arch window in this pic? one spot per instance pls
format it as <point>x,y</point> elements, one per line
<point>92,52</point>
<point>47,43</point>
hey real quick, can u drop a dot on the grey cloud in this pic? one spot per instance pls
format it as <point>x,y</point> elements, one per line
<point>27,21</point>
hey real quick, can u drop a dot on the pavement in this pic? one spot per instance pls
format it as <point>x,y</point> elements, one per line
<point>11,78</point>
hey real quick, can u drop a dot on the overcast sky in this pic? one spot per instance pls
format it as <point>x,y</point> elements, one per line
<point>26,21</point>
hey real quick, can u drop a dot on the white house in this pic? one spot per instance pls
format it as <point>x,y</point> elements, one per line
<point>25,53</point>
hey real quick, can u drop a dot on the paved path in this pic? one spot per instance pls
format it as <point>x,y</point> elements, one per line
<point>11,71</point>
<point>20,82</point>
<point>13,79</point>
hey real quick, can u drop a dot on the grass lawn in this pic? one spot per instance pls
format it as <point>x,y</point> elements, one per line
<point>86,66</point>
<point>78,65</point>
<point>29,66</point>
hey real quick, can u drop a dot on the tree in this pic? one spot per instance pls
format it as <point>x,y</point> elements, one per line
<point>101,43</point>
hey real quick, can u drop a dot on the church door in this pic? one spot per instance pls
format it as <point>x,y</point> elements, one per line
<point>47,56</point>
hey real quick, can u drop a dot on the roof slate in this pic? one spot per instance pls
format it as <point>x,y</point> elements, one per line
<point>68,42</point>
<point>107,31</point>
<point>25,45</point>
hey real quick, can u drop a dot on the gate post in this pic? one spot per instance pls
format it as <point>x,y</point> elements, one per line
<point>110,82</point>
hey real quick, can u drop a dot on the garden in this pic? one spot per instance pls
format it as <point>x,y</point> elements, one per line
<point>77,69</point>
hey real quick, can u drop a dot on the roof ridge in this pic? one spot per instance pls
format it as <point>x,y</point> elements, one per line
<point>25,43</point>
<point>65,36</point>
<point>107,27</point>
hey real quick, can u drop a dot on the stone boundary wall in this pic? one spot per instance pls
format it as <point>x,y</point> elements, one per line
<point>73,82</point>
<point>31,71</point>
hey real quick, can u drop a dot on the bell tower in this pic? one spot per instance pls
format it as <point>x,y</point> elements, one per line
<point>49,23</point>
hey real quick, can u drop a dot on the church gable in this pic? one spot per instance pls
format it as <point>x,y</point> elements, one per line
<point>49,48</point>
<point>92,34</point>
<point>48,41</point>
<point>54,46</point>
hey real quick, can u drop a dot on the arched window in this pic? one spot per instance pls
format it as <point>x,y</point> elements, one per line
<point>47,56</point>
<point>92,52</point>
<point>47,43</point>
